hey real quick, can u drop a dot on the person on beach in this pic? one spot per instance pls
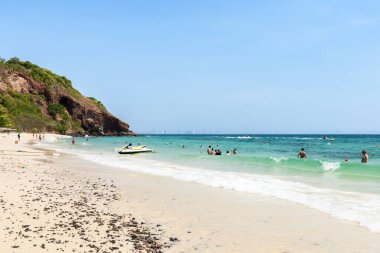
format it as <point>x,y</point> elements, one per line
<point>302,154</point>
<point>234,152</point>
<point>18,137</point>
<point>364,156</point>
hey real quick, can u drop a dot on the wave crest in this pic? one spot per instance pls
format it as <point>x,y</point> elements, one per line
<point>330,166</point>
<point>238,137</point>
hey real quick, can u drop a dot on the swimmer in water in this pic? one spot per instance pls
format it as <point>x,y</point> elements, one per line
<point>209,150</point>
<point>302,154</point>
<point>364,156</point>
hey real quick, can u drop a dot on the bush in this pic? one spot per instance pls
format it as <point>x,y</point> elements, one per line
<point>27,122</point>
<point>61,128</point>
<point>5,121</point>
<point>20,111</point>
<point>17,103</point>
<point>54,109</point>
<point>76,127</point>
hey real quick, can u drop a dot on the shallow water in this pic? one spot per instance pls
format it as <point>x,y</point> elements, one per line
<point>265,164</point>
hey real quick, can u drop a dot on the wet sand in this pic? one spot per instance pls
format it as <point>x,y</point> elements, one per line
<point>110,207</point>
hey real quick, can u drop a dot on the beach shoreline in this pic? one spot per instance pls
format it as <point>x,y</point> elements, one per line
<point>191,217</point>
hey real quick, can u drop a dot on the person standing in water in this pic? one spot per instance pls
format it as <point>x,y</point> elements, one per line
<point>73,140</point>
<point>209,151</point>
<point>364,156</point>
<point>302,154</point>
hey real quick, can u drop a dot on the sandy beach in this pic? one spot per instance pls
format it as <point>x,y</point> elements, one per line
<point>46,208</point>
<point>54,202</point>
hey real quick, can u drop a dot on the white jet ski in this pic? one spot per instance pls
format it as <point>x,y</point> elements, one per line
<point>134,149</point>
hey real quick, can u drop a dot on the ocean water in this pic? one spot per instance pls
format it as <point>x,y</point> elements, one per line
<point>331,180</point>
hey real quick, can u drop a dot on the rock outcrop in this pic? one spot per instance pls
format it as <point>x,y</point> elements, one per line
<point>36,99</point>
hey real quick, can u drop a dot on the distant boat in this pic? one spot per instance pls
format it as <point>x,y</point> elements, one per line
<point>128,149</point>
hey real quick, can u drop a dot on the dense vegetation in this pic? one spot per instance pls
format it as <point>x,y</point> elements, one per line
<point>20,111</point>
<point>27,111</point>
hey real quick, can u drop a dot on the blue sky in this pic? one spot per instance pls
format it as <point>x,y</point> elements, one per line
<point>211,66</point>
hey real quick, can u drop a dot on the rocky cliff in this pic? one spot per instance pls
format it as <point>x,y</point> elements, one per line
<point>35,99</point>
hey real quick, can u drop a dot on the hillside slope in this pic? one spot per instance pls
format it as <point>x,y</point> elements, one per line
<point>35,99</point>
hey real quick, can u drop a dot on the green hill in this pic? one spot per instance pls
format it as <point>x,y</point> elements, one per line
<point>36,99</point>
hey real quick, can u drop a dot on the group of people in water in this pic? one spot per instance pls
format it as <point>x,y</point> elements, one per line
<point>302,155</point>
<point>212,151</point>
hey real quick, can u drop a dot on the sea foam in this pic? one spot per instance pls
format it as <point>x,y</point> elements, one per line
<point>330,166</point>
<point>278,159</point>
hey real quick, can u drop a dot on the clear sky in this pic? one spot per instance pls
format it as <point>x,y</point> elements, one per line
<point>211,66</point>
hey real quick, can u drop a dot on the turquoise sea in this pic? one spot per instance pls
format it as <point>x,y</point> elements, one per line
<point>331,180</point>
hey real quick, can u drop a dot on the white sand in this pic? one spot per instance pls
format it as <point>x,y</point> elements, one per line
<point>204,219</point>
<point>45,208</point>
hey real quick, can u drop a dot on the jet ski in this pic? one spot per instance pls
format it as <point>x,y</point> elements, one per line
<point>134,149</point>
